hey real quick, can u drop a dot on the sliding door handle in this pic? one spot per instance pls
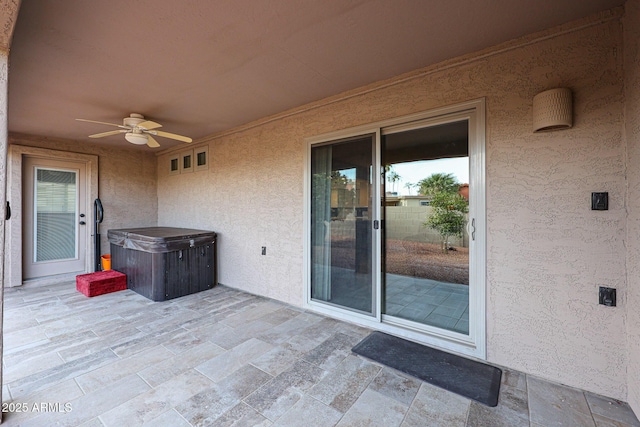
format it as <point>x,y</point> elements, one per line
<point>473,229</point>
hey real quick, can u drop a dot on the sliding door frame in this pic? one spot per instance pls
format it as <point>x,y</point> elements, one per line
<point>475,343</point>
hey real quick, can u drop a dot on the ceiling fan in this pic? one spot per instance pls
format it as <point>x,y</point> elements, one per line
<point>138,131</point>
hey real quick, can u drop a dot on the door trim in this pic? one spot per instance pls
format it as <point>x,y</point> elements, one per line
<point>475,343</point>
<point>13,243</point>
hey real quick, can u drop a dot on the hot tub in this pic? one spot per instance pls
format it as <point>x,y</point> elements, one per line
<point>162,263</point>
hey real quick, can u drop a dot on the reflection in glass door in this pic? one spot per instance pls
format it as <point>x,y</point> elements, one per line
<point>341,223</point>
<point>426,243</point>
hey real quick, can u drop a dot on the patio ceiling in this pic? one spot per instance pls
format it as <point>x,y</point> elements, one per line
<point>202,67</point>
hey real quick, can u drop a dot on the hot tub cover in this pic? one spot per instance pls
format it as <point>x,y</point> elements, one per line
<point>160,239</point>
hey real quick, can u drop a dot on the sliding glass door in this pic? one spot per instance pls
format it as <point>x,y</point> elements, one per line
<point>397,227</point>
<point>425,238</point>
<point>341,225</point>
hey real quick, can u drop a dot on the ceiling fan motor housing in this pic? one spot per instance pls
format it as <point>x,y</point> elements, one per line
<point>133,120</point>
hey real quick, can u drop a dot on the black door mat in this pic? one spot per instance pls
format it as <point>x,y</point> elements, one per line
<point>466,377</point>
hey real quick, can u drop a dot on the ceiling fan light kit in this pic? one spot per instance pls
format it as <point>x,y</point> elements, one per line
<point>138,131</point>
<point>136,138</point>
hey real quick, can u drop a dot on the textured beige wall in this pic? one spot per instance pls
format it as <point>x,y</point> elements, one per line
<point>4,108</point>
<point>8,16</point>
<point>546,250</point>
<point>251,195</point>
<point>126,183</point>
<point>632,128</point>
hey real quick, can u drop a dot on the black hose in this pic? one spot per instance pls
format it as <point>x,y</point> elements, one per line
<point>98,214</point>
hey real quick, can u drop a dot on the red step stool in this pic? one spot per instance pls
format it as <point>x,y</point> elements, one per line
<point>101,282</point>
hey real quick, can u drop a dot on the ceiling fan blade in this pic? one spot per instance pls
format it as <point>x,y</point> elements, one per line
<point>152,142</point>
<point>171,136</point>
<point>149,125</point>
<point>103,123</point>
<point>111,132</point>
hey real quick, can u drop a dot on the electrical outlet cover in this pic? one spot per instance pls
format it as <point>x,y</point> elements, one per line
<point>607,296</point>
<point>600,201</point>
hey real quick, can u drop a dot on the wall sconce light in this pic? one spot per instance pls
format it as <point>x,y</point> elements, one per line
<point>552,110</point>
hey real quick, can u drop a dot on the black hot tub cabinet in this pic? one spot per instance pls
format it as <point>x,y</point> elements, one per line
<point>162,263</point>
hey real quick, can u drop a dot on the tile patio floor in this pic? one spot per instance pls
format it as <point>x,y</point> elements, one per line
<point>223,357</point>
<point>440,304</point>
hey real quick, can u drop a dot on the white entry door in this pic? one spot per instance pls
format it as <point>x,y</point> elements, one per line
<point>55,224</point>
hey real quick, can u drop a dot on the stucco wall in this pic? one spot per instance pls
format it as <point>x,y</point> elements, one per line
<point>127,184</point>
<point>546,250</point>
<point>251,195</point>
<point>632,128</point>
<point>4,86</point>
